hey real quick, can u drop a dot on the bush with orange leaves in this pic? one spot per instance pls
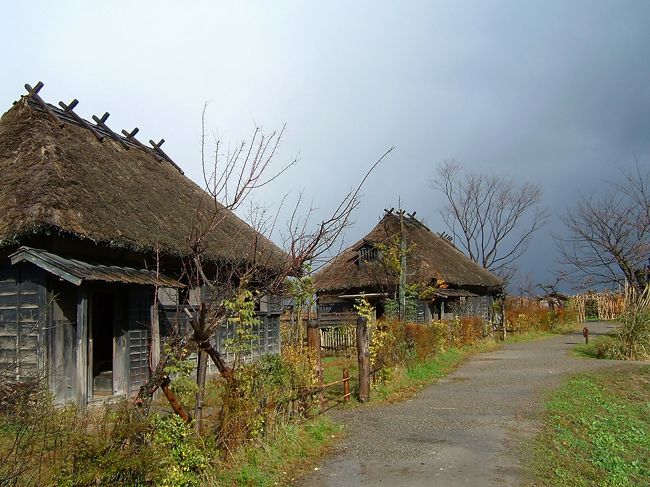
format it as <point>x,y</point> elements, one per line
<point>525,314</point>
<point>408,342</point>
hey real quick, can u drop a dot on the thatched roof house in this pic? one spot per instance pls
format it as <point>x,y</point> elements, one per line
<point>86,215</point>
<point>64,182</point>
<point>431,261</point>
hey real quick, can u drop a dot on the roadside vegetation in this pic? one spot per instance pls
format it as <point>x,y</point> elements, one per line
<point>407,356</point>
<point>258,429</point>
<point>597,426</point>
<point>630,340</point>
<point>596,432</point>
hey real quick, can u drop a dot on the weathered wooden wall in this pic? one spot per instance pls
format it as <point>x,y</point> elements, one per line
<point>22,320</point>
<point>62,339</point>
<point>139,334</point>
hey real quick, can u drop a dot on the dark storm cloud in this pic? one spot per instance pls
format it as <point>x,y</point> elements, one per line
<point>555,93</point>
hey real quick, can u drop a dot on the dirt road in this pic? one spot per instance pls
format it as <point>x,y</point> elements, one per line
<point>466,429</point>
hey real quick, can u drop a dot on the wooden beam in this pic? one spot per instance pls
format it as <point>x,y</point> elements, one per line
<point>130,136</point>
<point>24,255</point>
<point>162,153</point>
<point>81,381</point>
<point>363,359</point>
<point>155,336</point>
<point>69,109</point>
<point>101,122</point>
<point>313,342</point>
<point>33,94</point>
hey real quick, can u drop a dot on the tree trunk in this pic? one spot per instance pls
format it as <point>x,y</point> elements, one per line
<point>201,371</point>
<point>173,400</point>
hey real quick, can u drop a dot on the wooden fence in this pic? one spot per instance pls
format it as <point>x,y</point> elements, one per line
<point>338,339</point>
<point>328,403</point>
<point>603,306</point>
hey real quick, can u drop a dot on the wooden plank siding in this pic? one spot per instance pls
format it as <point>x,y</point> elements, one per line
<point>338,338</point>
<point>22,305</point>
<point>266,339</point>
<point>62,339</point>
<point>139,335</point>
<point>480,306</point>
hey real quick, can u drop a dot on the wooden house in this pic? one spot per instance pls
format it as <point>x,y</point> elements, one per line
<point>449,282</point>
<point>94,227</point>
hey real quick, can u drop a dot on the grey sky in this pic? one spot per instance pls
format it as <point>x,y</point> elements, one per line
<point>556,93</point>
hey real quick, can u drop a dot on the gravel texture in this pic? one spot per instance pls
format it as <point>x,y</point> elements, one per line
<point>466,429</point>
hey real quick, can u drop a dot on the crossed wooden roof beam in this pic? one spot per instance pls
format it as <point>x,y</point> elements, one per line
<point>100,130</point>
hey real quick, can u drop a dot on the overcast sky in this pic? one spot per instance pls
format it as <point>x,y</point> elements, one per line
<point>552,92</point>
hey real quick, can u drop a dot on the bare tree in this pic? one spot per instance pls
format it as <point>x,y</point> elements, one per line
<point>491,217</point>
<point>607,237</point>
<point>230,177</point>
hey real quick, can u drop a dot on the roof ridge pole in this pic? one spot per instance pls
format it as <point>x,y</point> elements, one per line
<point>33,94</point>
<point>69,109</point>
<point>130,136</point>
<point>101,122</point>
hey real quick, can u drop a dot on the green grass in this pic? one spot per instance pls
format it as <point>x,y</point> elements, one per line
<point>596,432</point>
<point>586,350</point>
<point>404,381</point>
<point>277,460</point>
<point>591,350</point>
<point>529,336</point>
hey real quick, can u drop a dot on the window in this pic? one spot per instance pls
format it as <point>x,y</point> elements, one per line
<point>368,253</point>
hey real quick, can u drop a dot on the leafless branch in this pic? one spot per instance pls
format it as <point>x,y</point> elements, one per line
<point>491,217</point>
<point>607,237</point>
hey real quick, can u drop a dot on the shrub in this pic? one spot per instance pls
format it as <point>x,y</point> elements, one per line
<point>49,445</point>
<point>634,332</point>
<point>610,348</point>
<point>186,459</point>
<point>406,342</point>
<point>263,393</point>
<point>524,315</point>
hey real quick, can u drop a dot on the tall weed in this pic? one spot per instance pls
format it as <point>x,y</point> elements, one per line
<point>634,332</point>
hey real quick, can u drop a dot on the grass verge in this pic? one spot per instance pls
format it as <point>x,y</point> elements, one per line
<point>404,381</point>
<point>598,347</point>
<point>586,350</point>
<point>277,460</point>
<point>529,336</point>
<point>596,432</point>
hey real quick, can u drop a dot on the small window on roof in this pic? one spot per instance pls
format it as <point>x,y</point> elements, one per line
<point>368,253</point>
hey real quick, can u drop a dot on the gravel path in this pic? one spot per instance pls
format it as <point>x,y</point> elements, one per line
<point>466,429</point>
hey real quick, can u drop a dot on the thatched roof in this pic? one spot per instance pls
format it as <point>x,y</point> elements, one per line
<point>64,180</point>
<point>430,258</point>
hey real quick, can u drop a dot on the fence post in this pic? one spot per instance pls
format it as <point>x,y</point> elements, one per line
<point>363,359</point>
<point>503,317</point>
<point>346,385</point>
<point>313,342</point>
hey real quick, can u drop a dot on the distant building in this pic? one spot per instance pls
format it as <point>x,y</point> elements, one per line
<point>455,285</point>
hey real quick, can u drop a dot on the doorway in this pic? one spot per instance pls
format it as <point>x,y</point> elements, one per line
<point>100,345</point>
